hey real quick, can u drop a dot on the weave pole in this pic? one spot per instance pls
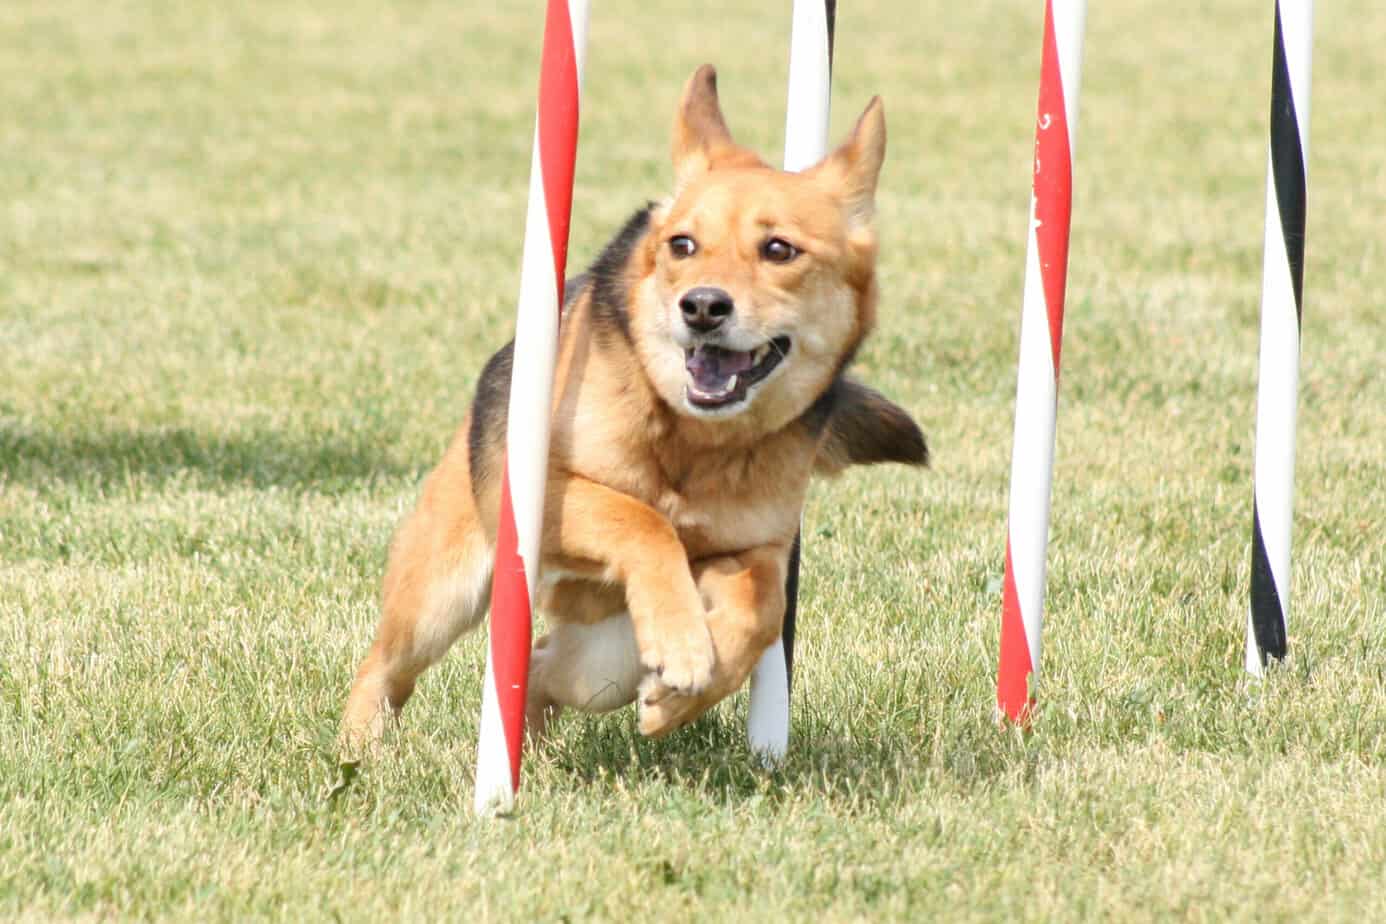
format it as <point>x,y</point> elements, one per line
<point>1282,289</point>
<point>805,144</point>
<point>542,265</point>
<point>1041,334</point>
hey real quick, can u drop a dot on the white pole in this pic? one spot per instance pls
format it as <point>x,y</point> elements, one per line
<point>1282,286</point>
<point>805,144</point>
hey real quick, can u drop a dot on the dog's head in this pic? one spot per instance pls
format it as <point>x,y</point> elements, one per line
<point>759,284</point>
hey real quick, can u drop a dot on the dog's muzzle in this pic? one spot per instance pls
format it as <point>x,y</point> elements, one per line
<point>718,377</point>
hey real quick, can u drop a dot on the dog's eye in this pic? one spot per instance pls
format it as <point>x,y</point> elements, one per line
<point>682,246</point>
<point>778,250</point>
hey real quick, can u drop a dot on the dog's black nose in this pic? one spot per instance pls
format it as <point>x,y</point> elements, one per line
<point>705,308</point>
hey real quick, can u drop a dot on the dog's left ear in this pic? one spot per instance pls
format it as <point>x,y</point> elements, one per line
<point>855,166</point>
<point>701,137</point>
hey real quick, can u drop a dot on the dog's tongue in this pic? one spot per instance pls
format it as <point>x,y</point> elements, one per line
<point>711,367</point>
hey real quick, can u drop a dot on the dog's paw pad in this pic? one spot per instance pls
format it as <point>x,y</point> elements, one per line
<point>652,690</point>
<point>663,711</point>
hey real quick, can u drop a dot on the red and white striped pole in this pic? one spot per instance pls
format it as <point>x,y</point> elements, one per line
<point>1041,333</point>
<point>531,394</point>
<point>805,144</point>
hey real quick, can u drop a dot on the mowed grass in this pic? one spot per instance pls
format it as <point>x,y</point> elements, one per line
<point>252,258</point>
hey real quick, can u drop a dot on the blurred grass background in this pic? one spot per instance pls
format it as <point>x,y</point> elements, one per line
<point>252,257</point>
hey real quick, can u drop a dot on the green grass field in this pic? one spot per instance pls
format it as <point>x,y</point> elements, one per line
<point>252,257</point>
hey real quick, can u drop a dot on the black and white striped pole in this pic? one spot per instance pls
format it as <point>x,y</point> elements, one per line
<point>1282,290</point>
<point>805,144</point>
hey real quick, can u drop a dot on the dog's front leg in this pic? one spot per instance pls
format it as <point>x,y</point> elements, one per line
<point>635,545</point>
<point>746,602</point>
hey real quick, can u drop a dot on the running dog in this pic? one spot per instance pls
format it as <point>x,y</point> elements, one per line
<point>700,383</point>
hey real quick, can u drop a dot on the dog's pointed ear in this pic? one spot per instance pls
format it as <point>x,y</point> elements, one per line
<point>701,137</point>
<point>855,166</point>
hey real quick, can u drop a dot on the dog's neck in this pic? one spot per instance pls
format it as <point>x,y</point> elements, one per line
<point>688,448</point>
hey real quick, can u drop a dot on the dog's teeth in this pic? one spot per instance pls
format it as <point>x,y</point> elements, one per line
<point>731,385</point>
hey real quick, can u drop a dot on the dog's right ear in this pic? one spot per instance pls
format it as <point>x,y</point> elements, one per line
<point>855,166</point>
<point>701,137</point>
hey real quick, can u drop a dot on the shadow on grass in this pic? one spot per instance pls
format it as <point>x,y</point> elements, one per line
<point>878,764</point>
<point>102,459</point>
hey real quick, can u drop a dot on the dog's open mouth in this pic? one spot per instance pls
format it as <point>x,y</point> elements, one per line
<point>719,377</point>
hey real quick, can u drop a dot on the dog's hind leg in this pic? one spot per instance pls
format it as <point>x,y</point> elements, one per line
<point>437,586</point>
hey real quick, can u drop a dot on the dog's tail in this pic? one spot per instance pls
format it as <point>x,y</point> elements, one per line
<point>865,428</point>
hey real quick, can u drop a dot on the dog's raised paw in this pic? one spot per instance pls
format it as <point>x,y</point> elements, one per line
<point>661,710</point>
<point>683,661</point>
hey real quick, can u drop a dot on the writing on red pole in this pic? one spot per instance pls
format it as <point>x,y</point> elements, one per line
<point>511,632</point>
<point>1053,185</point>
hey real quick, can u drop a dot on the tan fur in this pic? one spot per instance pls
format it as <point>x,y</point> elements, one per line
<point>667,530</point>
